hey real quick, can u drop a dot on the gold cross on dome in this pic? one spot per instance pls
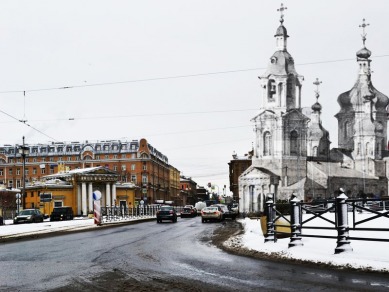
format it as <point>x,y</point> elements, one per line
<point>317,83</point>
<point>363,25</point>
<point>281,10</point>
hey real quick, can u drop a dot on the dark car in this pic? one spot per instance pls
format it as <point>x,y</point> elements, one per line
<point>189,211</point>
<point>61,213</point>
<point>28,216</point>
<point>166,213</point>
<point>225,211</point>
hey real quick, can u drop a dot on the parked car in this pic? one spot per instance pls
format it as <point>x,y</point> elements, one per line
<point>61,213</point>
<point>188,211</point>
<point>29,216</point>
<point>166,213</point>
<point>226,213</point>
<point>211,213</point>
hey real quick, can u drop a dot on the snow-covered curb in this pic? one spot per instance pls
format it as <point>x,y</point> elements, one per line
<point>370,256</point>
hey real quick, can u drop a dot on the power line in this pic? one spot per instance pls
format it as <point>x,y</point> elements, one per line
<point>28,125</point>
<point>143,115</point>
<point>173,77</point>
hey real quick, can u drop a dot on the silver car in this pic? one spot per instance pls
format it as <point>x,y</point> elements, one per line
<point>211,213</point>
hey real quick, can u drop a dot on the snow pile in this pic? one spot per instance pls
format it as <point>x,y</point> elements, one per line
<point>366,255</point>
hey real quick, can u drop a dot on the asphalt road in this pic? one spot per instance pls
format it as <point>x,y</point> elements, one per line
<point>159,257</point>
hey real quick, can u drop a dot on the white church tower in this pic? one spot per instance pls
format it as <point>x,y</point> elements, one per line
<point>280,127</point>
<point>362,119</point>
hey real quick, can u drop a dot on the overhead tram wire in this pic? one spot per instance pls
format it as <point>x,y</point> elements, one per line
<point>28,125</point>
<point>173,77</point>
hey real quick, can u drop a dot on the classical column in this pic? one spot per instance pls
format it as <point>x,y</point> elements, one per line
<point>90,196</point>
<point>83,194</point>
<point>79,200</point>
<point>114,194</point>
<point>108,194</point>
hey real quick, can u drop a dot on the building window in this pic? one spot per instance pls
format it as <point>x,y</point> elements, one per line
<point>26,171</point>
<point>34,160</point>
<point>69,158</point>
<point>51,170</point>
<point>34,170</point>
<point>267,144</point>
<point>10,183</point>
<point>124,167</point>
<point>106,156</point>
<point>133,178</point>
<point>1,172</point>
<point>123,155</point>
<point>97,157</point>
<point>115,168</point>
<point>294,146</point>
<point>43,159</point>
<point>43,170</point>
<point>144,178</point>
<point>115,156</point>
<point>132,166</point>
<point>57,203</point>
<point>10,172</point>
<point>144,167</point>
<point>18,171</point>
<point>18,184</point>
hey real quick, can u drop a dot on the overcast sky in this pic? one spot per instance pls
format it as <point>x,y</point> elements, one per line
<point>182,74</point>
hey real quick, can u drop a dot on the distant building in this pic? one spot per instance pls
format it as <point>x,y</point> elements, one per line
<point>237,166</point>
<point>292,148</point>
<point>134,161</point>
<point>188,194</point>
<point>202,193</point>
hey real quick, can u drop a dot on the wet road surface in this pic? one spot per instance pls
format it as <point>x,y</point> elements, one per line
<point>160,257</point>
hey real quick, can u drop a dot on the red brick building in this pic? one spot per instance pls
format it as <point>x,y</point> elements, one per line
<point>135,161</point>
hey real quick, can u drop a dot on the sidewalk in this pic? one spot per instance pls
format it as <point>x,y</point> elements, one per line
<point>12,231</point>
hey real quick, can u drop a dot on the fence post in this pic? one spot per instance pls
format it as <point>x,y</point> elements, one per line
<point>270,216</point>
<point>343,244</point>
<point>295,222</point>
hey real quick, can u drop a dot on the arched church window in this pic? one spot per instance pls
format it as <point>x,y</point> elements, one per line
<point>294,146</point>
<point>346,129</point>
<point>314,151</point>
<point>267,144</point>
<point>271,88</point>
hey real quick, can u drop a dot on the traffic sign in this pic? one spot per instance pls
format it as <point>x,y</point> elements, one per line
<point>96,195</point>
<point>18,196</point>
<point>18,201</point>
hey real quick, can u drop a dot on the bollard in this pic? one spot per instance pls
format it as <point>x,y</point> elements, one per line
<point>343,244</point>
<point>270,216</point>
<point>295,222</point>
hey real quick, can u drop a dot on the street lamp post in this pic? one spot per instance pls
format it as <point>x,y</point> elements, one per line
<point>24,151</point>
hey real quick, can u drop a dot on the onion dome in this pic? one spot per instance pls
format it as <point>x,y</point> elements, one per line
<point>364,53</point>
<point>316,107</point>
<point>281,31</point>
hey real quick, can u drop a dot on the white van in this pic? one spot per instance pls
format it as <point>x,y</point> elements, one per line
<point>199,206</point>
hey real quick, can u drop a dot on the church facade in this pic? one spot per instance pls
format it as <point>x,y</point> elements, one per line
<point>292,151</point>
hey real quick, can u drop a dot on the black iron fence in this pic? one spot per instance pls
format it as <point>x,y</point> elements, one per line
<point>341,207</point>
<point>117,213</point>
